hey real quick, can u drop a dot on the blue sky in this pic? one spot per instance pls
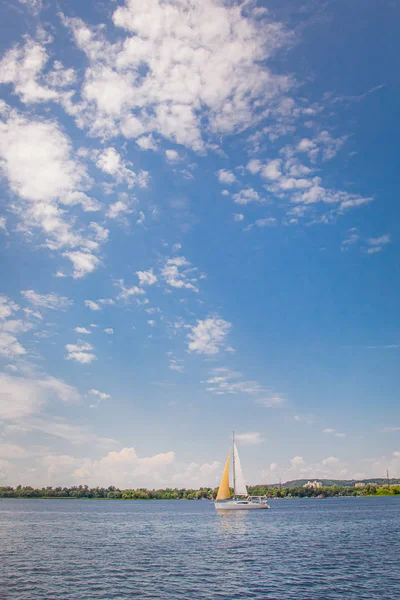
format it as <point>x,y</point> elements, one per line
<point>199,233</point>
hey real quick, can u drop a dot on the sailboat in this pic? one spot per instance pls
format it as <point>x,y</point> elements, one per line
<point>241,499</point>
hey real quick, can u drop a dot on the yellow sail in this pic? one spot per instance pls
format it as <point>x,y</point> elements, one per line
<point>224,491</point>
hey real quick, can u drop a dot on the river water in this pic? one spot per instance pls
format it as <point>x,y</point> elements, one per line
<point>304,549</point>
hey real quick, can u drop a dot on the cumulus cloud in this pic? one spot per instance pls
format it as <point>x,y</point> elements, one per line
<point>23,66</point>
<point>271,170</point>
<point>84,262</point>
<point>118,209</point>
<point>194,73</point>
<point>146,277</point>
<point>22,396</point>
<point>92,305</point>
<point>247,195</point>
<point>225,176</point>
<point>98,396</point>
<point>178,277</point>
<point>109,331</point>
<point>80,352</point>
<point>10,347</point>
<point>172,156</point>
<point>82,330</point>
<point>124,468</point>
<point>127,292</point>
<point>208,335</point>
<point>50,301</point>
<point>36,158</point>
<point>112,163</point>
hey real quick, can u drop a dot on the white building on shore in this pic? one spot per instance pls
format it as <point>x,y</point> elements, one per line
<point>313,484</point>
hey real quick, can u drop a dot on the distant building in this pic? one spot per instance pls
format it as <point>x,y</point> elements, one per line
<point>313,484</point>
<point>359,484</point>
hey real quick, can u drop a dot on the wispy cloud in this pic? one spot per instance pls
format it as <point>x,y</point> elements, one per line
<point>249,439</point>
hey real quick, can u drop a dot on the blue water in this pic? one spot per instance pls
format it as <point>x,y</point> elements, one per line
<point>304,549</point>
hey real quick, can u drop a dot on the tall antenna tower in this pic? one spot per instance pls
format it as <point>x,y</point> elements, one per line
<point>387,477</point>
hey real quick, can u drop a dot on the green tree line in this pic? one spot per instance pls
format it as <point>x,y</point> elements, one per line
<point>83,491</point>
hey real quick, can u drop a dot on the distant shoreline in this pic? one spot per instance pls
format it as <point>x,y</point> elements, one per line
<point>311,489</point>
<point>186,499</point>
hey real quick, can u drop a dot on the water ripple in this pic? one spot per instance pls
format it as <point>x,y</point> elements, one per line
<point>154,550</point>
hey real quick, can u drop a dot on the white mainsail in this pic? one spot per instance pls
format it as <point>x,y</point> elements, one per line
<point>240,484</point>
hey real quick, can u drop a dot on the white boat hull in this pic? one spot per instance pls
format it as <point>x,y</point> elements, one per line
<point>241,506</point>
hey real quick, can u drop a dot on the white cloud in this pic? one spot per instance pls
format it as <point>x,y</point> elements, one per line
<point>9,346</point>
<point>249,439</point>
<point>334,432</point>
<point>58,427</point>
<point>12,451</point>
<point>80,352</point>
<point>83,262</point>
<point>123,468</point>
<point>146,277</point>
<point>36,158</point>
<point>254,166</point>
<point>119,208</point>
<point>7,307</point>
<point>238,217</point>
<point>172,156</point>
<point>146,142</point>
<point>272,401</point>
<point>208,335</point>
<point>98,394</point>
<point>196,475</point>
<point>92,305</point>
<point>195,75</point>
<point>331,460</point>
<point>101,233</point>
<point>35,6</point>
<point>126,292</point>
<point>176,277</point>
<point>225,381</point>
<point>267,222</point>
<point>109,331</point>
<point>247,195</point>
<point>305,145</point>
<point>82,330</point>
<point>377,244</point>
<point>111,162</point>
<point>272,170</point>
<point>351,240</point>
<point>297,461</point>
<point>23,65</point>
<point>3,222</point>
<point>225,176</point>
<point>50,301</point>
<point>22,396</point>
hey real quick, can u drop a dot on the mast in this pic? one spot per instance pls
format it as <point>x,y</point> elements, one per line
<point>233,463</point>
